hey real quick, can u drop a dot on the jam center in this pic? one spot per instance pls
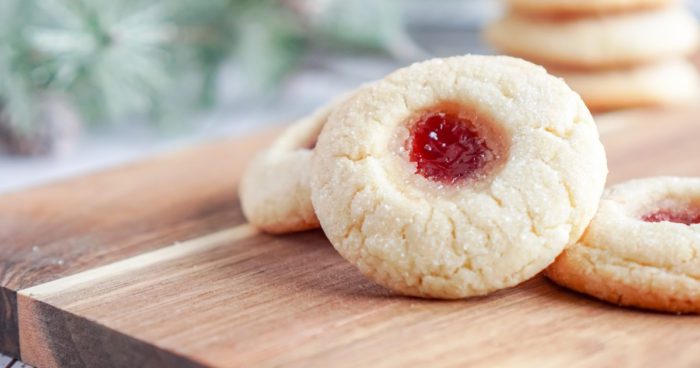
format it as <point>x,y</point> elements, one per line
<point>311,145</point>
<point>447,148</point>
<point>689,216</point>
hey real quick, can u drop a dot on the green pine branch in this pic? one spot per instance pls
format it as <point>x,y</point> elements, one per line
<point>115,59</point>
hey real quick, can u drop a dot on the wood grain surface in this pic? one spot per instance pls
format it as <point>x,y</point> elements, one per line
<point>60,229</point>
<point>178,285</point>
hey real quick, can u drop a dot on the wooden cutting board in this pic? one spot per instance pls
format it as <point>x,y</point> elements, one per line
<point>153,265</point>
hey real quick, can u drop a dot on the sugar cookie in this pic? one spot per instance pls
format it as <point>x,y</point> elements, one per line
<point>642,249</point>
<point>583,7</point>
<point>607,41</point>
<point>458,177</point>
<point>670,82</point>
<point>274,191</point>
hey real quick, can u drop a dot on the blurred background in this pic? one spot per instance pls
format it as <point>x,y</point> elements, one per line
<point>85,84</point>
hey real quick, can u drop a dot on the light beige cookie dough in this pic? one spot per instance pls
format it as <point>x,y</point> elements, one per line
<point>666,83</point>
<point>584,7</point>
<point>424,237</point>
<point>274,191</point>
<point>610,41</point>
<point>628,261</point>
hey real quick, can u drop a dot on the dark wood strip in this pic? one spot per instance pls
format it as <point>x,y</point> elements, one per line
<point>9,333</point>
<point>78,342</point>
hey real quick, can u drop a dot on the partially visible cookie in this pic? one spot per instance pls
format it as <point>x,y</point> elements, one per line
<point>610,41</point>
<point>642,249</point>
<point>583,7</point>
<point>457,177</point>
<point>667,83</point>
<point>274,191</point>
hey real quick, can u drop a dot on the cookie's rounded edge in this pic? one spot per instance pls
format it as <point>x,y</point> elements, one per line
<point>626,261</point>
<point>673,82</point>
<point>606,42</point>
<point>274,190</point>
<point>568,272</point>
<point>577,8</point>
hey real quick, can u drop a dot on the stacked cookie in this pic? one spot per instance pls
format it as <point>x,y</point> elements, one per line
<point>614,53</point>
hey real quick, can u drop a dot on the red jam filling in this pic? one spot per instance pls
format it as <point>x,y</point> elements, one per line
<point>447,148</point>
<point>312,144</point>
<point>688,217</point>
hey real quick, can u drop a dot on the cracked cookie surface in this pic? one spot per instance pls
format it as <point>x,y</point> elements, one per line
<point>274,191</point>
<point>425,237</point>
<point>610,41</point>
<point>642,248</point>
